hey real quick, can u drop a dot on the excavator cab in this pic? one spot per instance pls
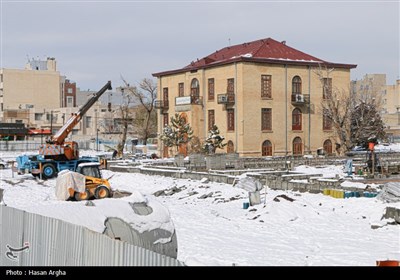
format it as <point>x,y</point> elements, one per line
<point>95,185</point>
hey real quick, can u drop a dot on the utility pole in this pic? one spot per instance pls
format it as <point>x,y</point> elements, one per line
<point>51,122</point>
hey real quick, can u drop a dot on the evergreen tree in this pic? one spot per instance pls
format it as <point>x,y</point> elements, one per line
<point>177,133</point>
<point>213,141</point>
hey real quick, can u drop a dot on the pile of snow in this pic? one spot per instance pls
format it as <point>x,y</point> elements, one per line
<point>213,228</point>
<point>390,192</point>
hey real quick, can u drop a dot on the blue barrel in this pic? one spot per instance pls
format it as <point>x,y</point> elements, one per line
<point>246,205</point>
<point>356,194</point>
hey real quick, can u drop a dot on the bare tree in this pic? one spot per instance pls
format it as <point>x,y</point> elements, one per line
<point>125,114</point>
<point>354,116</point>
<point>146,95</point>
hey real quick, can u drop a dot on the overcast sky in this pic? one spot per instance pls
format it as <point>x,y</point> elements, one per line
<point>97,41</point>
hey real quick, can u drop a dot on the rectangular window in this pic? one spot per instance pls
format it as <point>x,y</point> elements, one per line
<point>38,116</point>
<point>231,86</point>
<point>326,121</point>
<point>266,119</point>
<point>231,119</point>
<point>2,107</point>
<point>88,121</point>
<point>211,119</point>
<point>211,94</point>
<point>165,93</point>
<point>327,89</point>
<point>165,122</point>
<point>266,86</point>
<point>69,90</point>
<point>181,92</point>
<point>70,101</point>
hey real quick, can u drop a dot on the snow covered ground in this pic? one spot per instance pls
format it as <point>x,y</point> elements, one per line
<point>312,230</point>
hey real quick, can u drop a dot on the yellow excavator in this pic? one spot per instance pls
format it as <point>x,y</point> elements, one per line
<point>84,184</point>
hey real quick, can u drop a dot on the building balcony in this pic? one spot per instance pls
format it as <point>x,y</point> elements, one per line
<point>162,104</point>
<point>300,99</point>
<point>227,99</point>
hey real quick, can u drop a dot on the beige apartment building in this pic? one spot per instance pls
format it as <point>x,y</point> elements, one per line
<point>389,100</point>
<point>391,111</point>
<point>264,96</point>
<point>38,86</point>
<point>43,100</point>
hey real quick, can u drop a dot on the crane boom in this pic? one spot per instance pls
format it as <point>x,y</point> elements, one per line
<point>60,136</point>
<point>59,150</point>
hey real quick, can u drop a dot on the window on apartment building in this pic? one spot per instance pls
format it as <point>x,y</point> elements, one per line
<point>195,88</point>
<point>296,119</point>
<point>88,121</point>
<point>266,119</point>
<point>231,119</point>
<point>327,88</point>
<point>181,91</point>
<point>296,85</point>
<point>70,101</point>
<point>326,121</point>
<point>165,94</point>
<point>266,86</point>
<point>230,86</point>
<point>69,90</point>
<point>165,120</point>
<point>211,119</point>
<point>211,94</point>
<point>38,116</point>
<point>266,149</point>
<point>48,117</point>
<point>2,107</point>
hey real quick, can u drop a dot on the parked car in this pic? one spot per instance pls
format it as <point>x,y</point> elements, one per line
<point>3,164</point>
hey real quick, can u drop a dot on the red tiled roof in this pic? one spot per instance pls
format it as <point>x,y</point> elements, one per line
<point>264,50</point>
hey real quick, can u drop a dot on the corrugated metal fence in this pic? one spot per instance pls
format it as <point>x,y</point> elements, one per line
<point>53,242</point>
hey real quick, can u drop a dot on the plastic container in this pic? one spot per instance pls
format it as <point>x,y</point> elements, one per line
<point>388,263</point>
<point>246,205</point>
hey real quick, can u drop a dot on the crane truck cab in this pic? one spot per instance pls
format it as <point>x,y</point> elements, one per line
<point>95,185</point>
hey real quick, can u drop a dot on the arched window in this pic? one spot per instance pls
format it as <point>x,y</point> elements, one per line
<point>266,148</point>
<point>297,146</point>
<point>230,148</point>
<point>296,119</point>
<point>195,88</point>
<point>328,147</point>
<point>296,85</point>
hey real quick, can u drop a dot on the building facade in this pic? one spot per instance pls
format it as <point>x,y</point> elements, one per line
<point>264,96</point>
<point>37,86</point>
